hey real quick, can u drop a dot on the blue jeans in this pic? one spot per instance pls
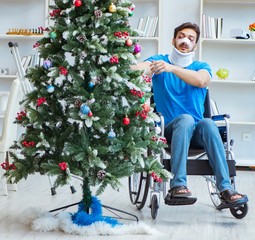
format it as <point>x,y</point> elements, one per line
<point>183,133</point>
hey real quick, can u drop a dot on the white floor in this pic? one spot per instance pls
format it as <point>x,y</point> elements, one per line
<point>199,221</point>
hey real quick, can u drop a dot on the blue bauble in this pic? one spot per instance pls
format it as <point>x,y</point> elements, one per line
<point>47,64</point>
<point>91,85</point>
<point>111,134</point>
<point>50,89</point>
<point>84,109</point>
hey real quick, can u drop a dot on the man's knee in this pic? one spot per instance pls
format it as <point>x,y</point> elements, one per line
<point>207,125</point>
<point>185,121</point>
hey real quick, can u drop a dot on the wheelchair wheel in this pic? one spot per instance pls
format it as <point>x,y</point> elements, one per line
<point>213,191</point>
<point>239,212</point>
<point>134,184</point>
<point>139,184</point>
<point>154,206</point>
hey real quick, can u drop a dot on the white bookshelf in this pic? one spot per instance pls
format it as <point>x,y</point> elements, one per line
<point>147,8</point>
<point>234,95</point>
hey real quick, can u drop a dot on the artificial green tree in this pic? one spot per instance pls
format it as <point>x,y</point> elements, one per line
<point>87,113</point>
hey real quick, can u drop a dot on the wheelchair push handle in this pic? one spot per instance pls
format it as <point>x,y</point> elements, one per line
<point>220,117</point>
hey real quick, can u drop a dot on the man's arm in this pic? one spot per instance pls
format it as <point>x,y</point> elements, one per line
<point>146,66</point>
<point>199,78</point>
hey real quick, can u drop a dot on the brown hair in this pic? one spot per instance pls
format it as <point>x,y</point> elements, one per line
<point>190,25</point>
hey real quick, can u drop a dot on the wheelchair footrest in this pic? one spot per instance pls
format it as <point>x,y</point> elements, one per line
<point>235,204</point>
<point>176,201</point>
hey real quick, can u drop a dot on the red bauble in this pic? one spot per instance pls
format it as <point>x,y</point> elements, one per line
<point>63,166</point>
<point>77,3</point>
<point>129,42</point>
<point>126,121</point>
<point>90,114</point>
<point>114,59</point>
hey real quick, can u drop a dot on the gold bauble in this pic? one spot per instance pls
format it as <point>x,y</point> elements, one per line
<point>112,8</point>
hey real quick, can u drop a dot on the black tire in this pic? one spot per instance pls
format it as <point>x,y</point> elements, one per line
<point>239,212</point>
<point>134,183</point>
<point>138,185</point>
<point>139,197</point>
<point>143,190</point>
<point>154,206</point>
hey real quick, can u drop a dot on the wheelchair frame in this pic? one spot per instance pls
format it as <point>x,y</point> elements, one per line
<point>140,184</point>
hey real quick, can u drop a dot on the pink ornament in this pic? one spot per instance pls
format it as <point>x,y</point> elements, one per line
<point>147,78</point>
<point>137,48</point>
<point>129,42</point>
<point>36,45</point>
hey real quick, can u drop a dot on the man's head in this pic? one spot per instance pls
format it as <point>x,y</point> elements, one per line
<point>186,37</point>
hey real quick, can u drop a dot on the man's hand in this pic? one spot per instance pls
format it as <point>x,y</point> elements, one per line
<point>158,67</point>
<point>143,66</point>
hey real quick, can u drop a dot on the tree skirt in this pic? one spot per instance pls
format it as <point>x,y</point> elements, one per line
<point>43,221</point>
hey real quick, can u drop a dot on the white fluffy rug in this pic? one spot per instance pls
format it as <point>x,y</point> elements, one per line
<point>43,221</point>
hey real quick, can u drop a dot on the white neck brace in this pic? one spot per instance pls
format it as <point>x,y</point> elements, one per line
<point>181,59</point>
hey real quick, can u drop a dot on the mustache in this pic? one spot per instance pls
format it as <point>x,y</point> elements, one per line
<point>184,44</point>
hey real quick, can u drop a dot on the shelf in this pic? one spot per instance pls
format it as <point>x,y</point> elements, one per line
<point>228,40</point>
<point>245,162</point>
<point>246,82</point>
<point>236,123</point>
<point>9,37</point>
<point>145,1</point>
<point>9,77</point>
<point>146,38</point>
<point>242,123</point>
<point>231,1</point>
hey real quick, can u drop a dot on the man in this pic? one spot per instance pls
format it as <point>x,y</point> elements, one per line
<point>179,87</point>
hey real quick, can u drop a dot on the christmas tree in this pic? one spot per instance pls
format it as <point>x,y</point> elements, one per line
<point>88,111</point>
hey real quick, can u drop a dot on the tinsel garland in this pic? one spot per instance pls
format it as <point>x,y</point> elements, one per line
<point>82,218</point>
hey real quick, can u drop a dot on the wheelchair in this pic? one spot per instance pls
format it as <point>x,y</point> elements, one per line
<point>142,184</point>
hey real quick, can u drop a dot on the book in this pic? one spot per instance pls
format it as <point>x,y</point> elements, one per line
<point>219,27</point>
<point>204,35</point>
<point>140,26</point>
<point>213,27</point>
<point>148,30</point>
<point>154,27</point>
<point>146,23</point>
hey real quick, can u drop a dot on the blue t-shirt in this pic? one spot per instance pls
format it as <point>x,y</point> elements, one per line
<point>173,96</point>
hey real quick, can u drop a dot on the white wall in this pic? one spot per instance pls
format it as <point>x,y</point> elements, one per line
<point>175,13</point>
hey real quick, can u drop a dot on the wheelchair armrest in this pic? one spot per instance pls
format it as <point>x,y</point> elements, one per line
<point>220,117</point>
